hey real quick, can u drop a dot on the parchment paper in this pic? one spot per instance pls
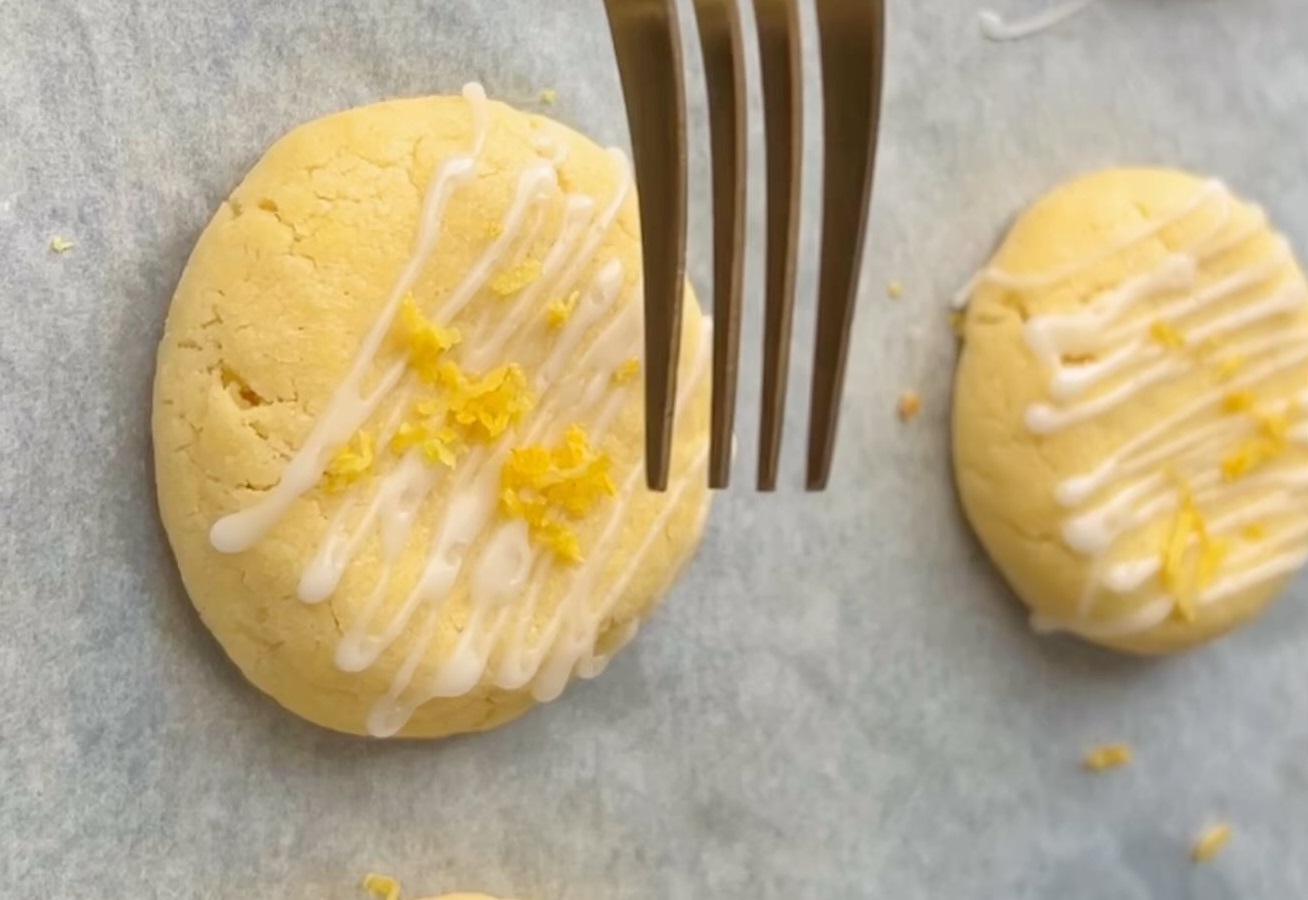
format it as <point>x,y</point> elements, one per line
<point>839,699</point>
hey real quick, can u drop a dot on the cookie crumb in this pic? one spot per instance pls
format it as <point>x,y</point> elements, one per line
<point>1108,756</point>
<point>910,404</point>
<point>381,887</point>
<point>549,96</point>
<point>60,244</point>
<point>895,290</point>
<point>1210,842</point>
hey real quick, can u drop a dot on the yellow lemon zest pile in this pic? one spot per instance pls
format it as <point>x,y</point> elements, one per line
<point>486,407</point>
<point>546,487</point>
<point>425,341</point>
<point>515,278</point>
<point>468,411</point>
<point>1258,450</point>
<point>1109,756</point>
<point>352,462</point>
<point>1165,334</point>
<point>1210,842</point>
<point>627,372</point>
<point>560,311</point>
<point>381,886</point>
<point>1184,581</point>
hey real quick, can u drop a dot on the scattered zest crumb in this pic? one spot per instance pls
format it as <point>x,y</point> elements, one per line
<point>1163,333</point>
<point>1254,532</point>
<point>60,244</point>
<point>350,464</point>
<point>1109,756</point>
<point>910,404</point>
<point>627,372</point>
<point>1238,401</point>
<point>1182,576</point>
<point>549,96</point>
<point>1210,842</point>
<point>895,290</point>
<point>381,887</point>
<point>1259,450</point>
<point>560,311</point>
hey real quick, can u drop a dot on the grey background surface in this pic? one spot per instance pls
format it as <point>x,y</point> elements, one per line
<point>839,699</point>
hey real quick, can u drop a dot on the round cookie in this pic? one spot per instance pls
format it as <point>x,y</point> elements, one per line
<point>1129,413</point>
<point>398,419</point>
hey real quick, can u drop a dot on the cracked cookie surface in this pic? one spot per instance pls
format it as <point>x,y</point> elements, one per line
<point>437,544</point>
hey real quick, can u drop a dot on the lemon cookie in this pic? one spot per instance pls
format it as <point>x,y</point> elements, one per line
<point>1129,416</point>
<point>398,419</point>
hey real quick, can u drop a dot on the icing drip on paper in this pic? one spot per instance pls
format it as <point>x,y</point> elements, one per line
<point>998,28</point>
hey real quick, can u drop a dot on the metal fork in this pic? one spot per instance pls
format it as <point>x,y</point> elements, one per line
<point>647,42</point>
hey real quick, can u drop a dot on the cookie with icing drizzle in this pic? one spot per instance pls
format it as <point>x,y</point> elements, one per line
<point>1131,410</point>
<point>397,419</point>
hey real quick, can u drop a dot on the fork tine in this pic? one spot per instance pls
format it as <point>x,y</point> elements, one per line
<point>780,58</point>
<point>647,44</point>
<point>852,34</point>
<point>724,69</point>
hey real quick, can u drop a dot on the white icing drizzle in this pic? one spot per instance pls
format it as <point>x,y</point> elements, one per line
<point>997,28</point>
<point>501,572</point>
<point>1103,355</point>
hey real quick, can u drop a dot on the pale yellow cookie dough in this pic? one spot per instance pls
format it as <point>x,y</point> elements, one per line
<point>271,311</point>
<point>1128,418</point>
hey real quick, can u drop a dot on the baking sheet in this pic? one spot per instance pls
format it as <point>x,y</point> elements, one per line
<point>839,699</point>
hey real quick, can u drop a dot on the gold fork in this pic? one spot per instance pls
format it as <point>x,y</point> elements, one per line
<point>647,42</point>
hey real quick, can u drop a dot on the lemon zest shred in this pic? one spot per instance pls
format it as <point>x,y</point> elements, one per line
<point>549,96</point>
<point>352,462</point>
<point>1254,531</point>
<point>486,407</point>
<point>895,290</point>
<point>424,341</point>
<point>560,311</point>
<point>1107,756</point>
<point>547,487</point>
<point>1166,334</point>
<point>515,278</point>
<point>60,244</point>
<point>383,887</point>
<point>1238,401</point>
<point>469,410</point>
<point>1181,580</point>
<point>910,404</point>
<point>1258,450</point>
<point>627,372</point>
<point>1211,842</point>
<point>1229,366</point>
